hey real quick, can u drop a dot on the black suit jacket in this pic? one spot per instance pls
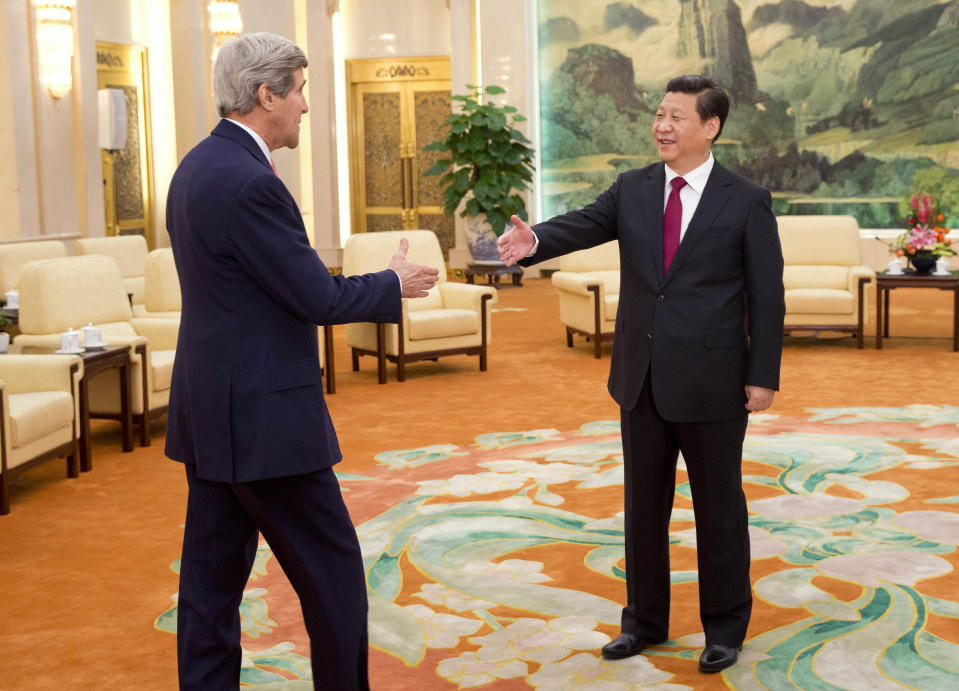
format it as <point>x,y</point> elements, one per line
<point>246,401</point>
<point>688,328</point>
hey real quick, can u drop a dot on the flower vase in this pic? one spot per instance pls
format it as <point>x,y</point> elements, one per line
<point>923,265</point>
<point>481,239</point>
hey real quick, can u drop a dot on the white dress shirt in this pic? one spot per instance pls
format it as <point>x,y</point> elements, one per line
<point>257,138</point>
<point>691,192</point>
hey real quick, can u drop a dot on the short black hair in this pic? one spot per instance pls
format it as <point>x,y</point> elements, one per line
<point>711,100</point>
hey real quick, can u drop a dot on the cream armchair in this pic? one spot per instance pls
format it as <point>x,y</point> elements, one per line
<point>161,286</point>
<point>130,254</point>
<point>57,294</point>
<point>588,286</point>
<point>824,277</point>
<point>453,319</point>
<point>39,415</point>
<point>15,256</point>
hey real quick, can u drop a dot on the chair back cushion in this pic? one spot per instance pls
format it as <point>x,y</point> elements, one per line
<point>15,256</point>
<point>369,252</point>
<point>162,282</point>
<point>603,257</point>
<point>820,240</point>
<point>56,294</point>
<point>128,251</point>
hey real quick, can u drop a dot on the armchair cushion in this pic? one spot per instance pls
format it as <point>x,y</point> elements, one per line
<point>56,294</point>
<point>161,363</point>
<point>130,254</point>
<point>824,276</point>
<point>35,415</point>
<point>820,301</point>
<point>442,323</point>
<point>162,284</point>
<point>15,256</point>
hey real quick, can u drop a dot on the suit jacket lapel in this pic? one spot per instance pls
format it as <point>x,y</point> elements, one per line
<point>237,134</point>
<point>652,192</point>
<point>715,195</point>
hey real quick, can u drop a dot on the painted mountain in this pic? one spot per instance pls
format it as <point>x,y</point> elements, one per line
<point>840,106</point>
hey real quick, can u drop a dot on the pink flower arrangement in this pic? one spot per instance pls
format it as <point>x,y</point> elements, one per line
<point>925,239</point>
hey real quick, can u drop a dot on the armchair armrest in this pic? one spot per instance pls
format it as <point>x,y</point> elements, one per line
<point>161,333</point>
<point>28,373</point>
<point>577,283</point>
<point>856,273</point>
<point>465,296</point>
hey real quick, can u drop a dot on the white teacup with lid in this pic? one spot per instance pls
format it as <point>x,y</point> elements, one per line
<point>895,266</point>
<point>91,336</point>
<point>942,266</point>
<point>13,299</point>
<point>70,340</point>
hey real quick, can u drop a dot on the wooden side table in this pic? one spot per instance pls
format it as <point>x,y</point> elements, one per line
<point>493,270</point>
<point>886,282</point>
<point>94,362</point>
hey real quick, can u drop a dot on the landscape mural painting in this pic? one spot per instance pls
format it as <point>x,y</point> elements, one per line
<point>839,106</point>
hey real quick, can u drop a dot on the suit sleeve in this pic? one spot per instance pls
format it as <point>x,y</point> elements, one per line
<point>763,260</point>
<point>576,230</point>
<point>270,244</point>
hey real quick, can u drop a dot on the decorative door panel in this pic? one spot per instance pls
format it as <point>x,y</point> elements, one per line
<point>127,172</point>
<point>397,108</point>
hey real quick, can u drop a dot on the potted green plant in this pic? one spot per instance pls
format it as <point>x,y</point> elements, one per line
<point>488,162</point>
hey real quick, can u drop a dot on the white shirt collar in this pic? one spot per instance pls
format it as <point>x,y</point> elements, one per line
<point>697,177</point>
<point>259,140</point>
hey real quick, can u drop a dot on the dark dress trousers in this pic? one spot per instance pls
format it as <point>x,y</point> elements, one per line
<point>683,352</point>
<point>247,414</point>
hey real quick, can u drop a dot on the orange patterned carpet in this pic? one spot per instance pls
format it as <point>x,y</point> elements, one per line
<point>488,507</point>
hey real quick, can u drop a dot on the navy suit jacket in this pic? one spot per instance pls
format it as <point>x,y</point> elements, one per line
<point>688,328</point>
<point>246,401</point>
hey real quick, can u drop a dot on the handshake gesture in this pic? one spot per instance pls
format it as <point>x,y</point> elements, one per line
<point>415,278</point>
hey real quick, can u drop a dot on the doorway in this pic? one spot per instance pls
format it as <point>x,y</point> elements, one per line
<point>396,107</point>
<point>127,169</point>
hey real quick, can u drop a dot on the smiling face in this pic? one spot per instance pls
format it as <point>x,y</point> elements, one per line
<point>285,113</point>
<point>682,138</point>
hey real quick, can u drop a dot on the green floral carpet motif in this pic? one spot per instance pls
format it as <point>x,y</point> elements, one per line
<point>499,565</point>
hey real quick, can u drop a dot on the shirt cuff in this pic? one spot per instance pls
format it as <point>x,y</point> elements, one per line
<point>535,245</point>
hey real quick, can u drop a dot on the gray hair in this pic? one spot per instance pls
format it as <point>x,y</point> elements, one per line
<point>245,62</point>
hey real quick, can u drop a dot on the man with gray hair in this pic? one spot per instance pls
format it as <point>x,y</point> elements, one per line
<point>247,415</point>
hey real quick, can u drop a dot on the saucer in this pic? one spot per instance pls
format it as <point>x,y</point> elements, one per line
<point>93,347</point>
<point>69,351</point>
<point>944,273</point>
<point>895,273</point>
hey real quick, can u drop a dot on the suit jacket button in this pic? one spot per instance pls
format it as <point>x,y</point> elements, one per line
<point>650,335</point>
<point>660,298</point>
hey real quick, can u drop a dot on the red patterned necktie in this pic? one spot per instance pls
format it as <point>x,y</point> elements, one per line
<point>672,222</point>
<point>274,167</point>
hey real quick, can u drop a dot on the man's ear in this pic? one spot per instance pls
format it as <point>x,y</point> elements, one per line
<point>712,127</point>
<point>265,97</point>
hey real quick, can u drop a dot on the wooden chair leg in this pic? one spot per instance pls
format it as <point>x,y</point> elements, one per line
<point>400,369</point>
<point>569,338</point>
<point>355,357</point>
<point>484,310</point>
<point>4,495</point>
<point>381,353</point>
<point>144,421</point>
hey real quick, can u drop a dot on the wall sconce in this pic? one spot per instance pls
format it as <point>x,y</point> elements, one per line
<point>55,44</point>
<point>225,22</point>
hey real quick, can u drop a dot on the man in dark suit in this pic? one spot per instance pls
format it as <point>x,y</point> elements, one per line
<point>247,414</point>
<point>699,251</point>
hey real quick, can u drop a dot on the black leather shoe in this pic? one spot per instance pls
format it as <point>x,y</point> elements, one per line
<point>624,645</point>
<point>716,658</point>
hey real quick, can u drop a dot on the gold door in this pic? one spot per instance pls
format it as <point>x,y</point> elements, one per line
<point>397,107</point>
<point>127,172</point>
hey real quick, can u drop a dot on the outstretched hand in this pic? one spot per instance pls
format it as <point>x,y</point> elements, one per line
<point>416,278</point>
<point>517,243</point>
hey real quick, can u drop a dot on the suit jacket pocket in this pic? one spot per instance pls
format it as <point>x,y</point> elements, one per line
<point>294,375</point>
<point>725,339</point>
